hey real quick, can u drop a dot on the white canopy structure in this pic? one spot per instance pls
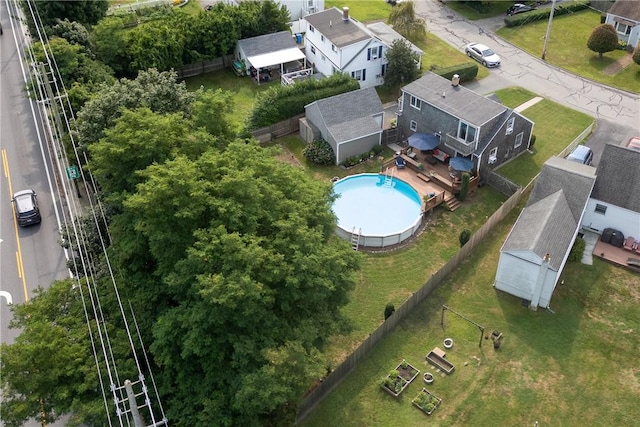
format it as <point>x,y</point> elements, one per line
<point>265,52</point>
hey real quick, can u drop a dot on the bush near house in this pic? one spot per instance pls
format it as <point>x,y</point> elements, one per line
<point>636,55</point>
<point>542,14</point>
<point>467,71</point>
<point>320,152</point>
<point>603,38</point>
<point>282,102</point>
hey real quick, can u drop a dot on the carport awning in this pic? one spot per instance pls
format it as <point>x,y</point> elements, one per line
<point>276,58</point>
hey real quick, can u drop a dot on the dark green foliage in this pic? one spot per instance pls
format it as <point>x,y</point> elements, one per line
<point>636,54</point>
<point>86,12</point>
<point>604,38</point>
<point>464,237</point>
<point>73,32</point>
<point>320,152</point>
<point>404,20</point>
<point>389,310</point>
<point>464,187</point>
<point>577,250</point>
<point>467,71</point>
<point>543,13</point>
<point>282,102</point>
<point>402,64</point>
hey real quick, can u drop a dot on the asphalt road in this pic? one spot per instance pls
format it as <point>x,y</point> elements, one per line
<point>617,112</point>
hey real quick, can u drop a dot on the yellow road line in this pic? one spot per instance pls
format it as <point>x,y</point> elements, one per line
<point>20,265</point>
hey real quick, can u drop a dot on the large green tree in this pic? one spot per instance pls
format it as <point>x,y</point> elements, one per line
<point>83,11</point>
<point>636,54</point>
<point>249,282</point>
<point>603,38</point>
<point>402,65</point>
<point>403,19</point>
<point>109,42</point>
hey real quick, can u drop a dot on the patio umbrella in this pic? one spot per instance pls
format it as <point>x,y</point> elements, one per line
<point>422,141</point>
<point>461,164</point>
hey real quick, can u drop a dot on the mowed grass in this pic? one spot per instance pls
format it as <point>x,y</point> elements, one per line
<point>567,48</point>
<point>575,366</point>
<point>480,10</point>
<point>363,11</point>
<point>555,127</point>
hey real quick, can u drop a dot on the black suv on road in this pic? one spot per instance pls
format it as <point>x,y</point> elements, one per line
<point>25,205</point>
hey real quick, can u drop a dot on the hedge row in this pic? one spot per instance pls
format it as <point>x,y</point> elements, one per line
<point>467,71</point>
<point>282,102</point>
<point>542,14</point>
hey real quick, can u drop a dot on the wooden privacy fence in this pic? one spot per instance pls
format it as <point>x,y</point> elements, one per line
<point>205,67</point>
<point>437,279</point>
<point>578,139</point>
<point>283,128</point>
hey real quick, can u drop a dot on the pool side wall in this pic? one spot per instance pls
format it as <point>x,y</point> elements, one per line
<point>381,241</point>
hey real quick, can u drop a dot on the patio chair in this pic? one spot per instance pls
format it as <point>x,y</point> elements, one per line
<point>636,247</point>
<point>629,244</point>
<point>400,163</point>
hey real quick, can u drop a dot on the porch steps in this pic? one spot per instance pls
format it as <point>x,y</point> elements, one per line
<point>452,202</point>
<point>355,238</point>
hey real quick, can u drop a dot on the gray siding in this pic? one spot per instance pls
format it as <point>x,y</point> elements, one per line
<point>357,147</point>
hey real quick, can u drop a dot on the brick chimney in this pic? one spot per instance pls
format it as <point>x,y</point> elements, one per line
<point>345,14</point>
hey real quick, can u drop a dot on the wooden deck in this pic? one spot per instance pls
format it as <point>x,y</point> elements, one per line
<point>615,255</point>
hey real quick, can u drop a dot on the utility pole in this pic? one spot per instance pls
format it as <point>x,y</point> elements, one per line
<point>546,36</point>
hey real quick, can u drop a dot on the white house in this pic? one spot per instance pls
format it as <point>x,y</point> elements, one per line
<point>538,245</point>
<point>624,15</point>
<point>336,42</point>
<point>615,200</point>
<point>297,8</point>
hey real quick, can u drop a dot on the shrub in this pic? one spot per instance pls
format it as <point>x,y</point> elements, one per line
<point>636,54</point>
<point>577,250</point>
<point>377,149</point>
<point>464,237</point>
<point>542,14</point>
<point>464,187</point>
<point>320,152</point>
<point>388,311</point>
<point>533,141</point>
<point>467,71</point>
<point>603,39</point>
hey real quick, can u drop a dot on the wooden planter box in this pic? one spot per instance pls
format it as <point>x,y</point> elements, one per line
<point>440,362</point>
<point>405,376</point>
<point>426,401</point>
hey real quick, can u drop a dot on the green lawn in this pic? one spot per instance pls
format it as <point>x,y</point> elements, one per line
<point>480,10</point>
<point>577,366</point>
<point>567,48</point>
<point>555,127</point>
<point>363,11</point>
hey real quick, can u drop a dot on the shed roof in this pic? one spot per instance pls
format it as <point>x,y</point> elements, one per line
<point>458,101</point>
<point>267,43</point>
<point>350,115</point>
<point>627,9</point>
<point>618,179</point>
<point>340,32</point>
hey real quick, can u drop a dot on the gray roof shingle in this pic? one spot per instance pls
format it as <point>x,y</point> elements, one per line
<point>575,179</point>
<point>629,9</point>
<point>267,43</point>
<point>457,101</point>
<point>618,179</point>
<point>349,115</point>
<point>341,33</point>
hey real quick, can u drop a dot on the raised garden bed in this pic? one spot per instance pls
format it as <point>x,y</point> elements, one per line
<point>399,378</point>
<point>427,402</point>
<point>440,362</point>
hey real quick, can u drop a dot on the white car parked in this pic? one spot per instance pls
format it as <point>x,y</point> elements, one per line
<point>483,54</point>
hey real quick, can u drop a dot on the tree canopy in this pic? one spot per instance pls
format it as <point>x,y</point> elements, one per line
<point>402,64</point>
<point>403,19</point>
<point>603,39</point>
<point>636,54</point>
<point>86,12</point>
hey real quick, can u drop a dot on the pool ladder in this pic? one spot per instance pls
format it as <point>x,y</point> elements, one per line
<point>355,238</point>
<point>388,178</point>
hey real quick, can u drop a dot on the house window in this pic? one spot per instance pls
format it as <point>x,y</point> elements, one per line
<point>494,152</point>
<point>601,209</point>
<point>313,50</point>
<point>413,126</point>
<point>333,47</point>
<point>401,104</point>
<point>518,142</point>
<point>623,28</point>
<point>466,132</point>
<point>359,75</point>
<point>415,102</point>
<point>322,38</point>
<point>323,58</point>
<point>374,53</point>
<point>313,30</point>
<point>510,123</point>
<point>333,69</point>
<point>384,70</point>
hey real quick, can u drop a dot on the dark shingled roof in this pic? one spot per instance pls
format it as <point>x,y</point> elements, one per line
<point>458,101</point>
<point>339,32</point>
<point>575,179</point>
<point>618,179</point>
<point>545,227</point>
<point>349,115</point>
<point>629,9</point>
<point>267,43</point>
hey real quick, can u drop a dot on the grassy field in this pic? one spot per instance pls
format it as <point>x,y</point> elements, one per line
<point>555,127</point>
<point>480,10</point>
<point>567,48</point>
<point>575,366</point>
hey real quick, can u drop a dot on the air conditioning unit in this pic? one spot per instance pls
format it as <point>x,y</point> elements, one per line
<point>492,159</point>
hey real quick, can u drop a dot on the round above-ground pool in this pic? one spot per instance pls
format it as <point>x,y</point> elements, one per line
<point>383,212</point>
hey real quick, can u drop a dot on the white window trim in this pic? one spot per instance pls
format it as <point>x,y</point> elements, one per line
<point>510,124</point>
<point>627,28</point>
<point>518,141</point>
<point>313,30</point>
<point>494,152</point>
<point>415,102</point>
<point>413,126</point>
<point>313,50</point>
<point>475,134</point>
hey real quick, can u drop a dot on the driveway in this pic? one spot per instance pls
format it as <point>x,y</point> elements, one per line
<point>617,112</point>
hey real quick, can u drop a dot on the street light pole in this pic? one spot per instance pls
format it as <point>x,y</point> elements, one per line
<point>546,36</point>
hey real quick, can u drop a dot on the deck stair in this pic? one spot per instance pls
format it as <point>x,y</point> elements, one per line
<point>355,238</point>
<point>452,202</point>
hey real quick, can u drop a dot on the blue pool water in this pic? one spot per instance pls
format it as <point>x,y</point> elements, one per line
<point>365,202</point>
